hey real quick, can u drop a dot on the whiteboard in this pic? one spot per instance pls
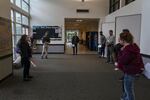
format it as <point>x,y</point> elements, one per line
<point>131,22</point>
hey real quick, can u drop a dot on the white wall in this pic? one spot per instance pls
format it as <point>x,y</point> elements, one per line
<point>53,12</point>
<point>5,8</point>
<point>5,64</point>
<point>108,26</point>
<point>137,7</point>
<point>133,8</point>
<point>145,33</point>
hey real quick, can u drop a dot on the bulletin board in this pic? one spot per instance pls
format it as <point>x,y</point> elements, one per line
<point>5,37</point>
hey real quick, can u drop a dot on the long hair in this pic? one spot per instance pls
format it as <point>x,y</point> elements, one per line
<point>23,38</point>
<point>126,36</point>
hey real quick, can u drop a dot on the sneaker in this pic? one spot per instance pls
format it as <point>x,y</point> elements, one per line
<point>30,76</point>
<point>26,79</point>
<point>121,79</point>
<point>116,69</point>
<point>111,63</point>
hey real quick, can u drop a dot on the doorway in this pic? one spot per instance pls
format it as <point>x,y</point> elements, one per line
<point>87,31</point>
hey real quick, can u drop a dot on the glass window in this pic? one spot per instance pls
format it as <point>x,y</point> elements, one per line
<point>27,1</point>
<point>128,1</point>
<point>114,5</point>
<point>13,41</point>
<point>18,17</point>
<point>25,6</point>
<point>18,29</point>
<point>25,20</point>
<point>12,1</point>
<point>18,3</point>
<point>17,38</point>
<point>12,26</point>
<point>12,15</point>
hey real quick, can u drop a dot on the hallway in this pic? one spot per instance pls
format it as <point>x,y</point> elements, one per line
<point>67,77</point>
<point>82,49</point>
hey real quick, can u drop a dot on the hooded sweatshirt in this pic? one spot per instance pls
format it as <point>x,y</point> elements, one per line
<point>130,60</point>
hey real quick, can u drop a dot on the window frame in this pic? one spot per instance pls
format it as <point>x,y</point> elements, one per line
<point>114,5</point>
<point>128,1</point>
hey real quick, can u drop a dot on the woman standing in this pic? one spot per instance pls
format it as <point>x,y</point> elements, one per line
<point>26,55</point>
<point>130,62</point>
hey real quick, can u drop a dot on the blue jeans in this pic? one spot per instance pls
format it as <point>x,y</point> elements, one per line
<point>128,83</point>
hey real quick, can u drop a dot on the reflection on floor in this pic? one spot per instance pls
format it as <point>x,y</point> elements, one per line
<point>81,49</point>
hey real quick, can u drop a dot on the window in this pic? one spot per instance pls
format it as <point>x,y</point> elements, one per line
<point>20,26</point>
<point>128,1</point>
<point>114,5</point>
<point>12,15</point>
<point>12,1</point>
<point>27,1</point>
<point>18,29</point>
<point>25,20</point>
<point>18,3</point>
<point>18,17</point>
<point>22,4</point>
<point>25,6</point>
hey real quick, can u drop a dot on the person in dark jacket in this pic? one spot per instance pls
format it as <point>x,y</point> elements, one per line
<point>130,63</point>
<point>45,41</point>
<point>103,44</point>
<point>75,41</point>
<point>26,54</point>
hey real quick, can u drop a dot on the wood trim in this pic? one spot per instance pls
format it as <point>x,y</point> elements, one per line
<point>6,77</point>
<point>6,56</point>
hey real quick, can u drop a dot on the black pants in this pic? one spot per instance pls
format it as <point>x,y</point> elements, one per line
<point>102,50</point>
<point>110,50</point>
<point>75,49</point>
<point>26,67</point>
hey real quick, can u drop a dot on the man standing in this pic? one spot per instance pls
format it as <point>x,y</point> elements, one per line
<point>110,47</point>
<point>103,44</point>
<point>46,41</point>
<point>75,41</point>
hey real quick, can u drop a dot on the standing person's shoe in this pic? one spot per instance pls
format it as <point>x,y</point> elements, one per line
<point>46,57</point>
<point>30,77</point>
<point>121,78</point>
<point>116,69</point>
<point>26,79</point>
<point>121,98</point>
<point>107,62</point>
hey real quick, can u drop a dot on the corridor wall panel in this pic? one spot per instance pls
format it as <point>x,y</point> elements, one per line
<point>131,22</point>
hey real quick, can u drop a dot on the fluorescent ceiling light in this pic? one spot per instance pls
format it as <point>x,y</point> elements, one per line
<point>79,20</point>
